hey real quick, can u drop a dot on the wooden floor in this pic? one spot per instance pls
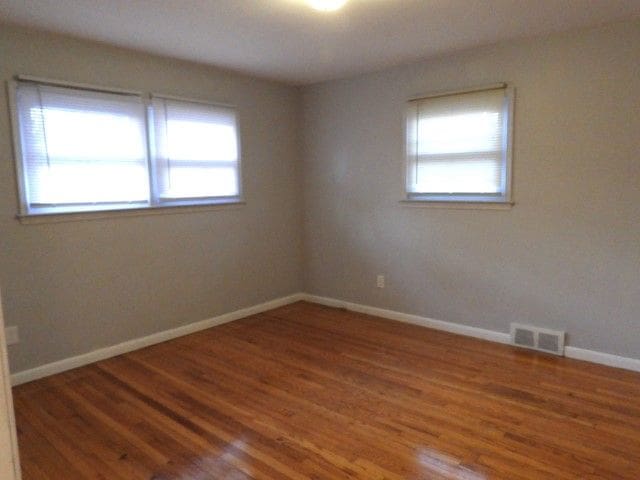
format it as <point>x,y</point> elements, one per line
<point>310,392</point>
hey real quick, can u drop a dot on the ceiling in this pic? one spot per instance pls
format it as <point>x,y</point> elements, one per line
<point>288,41</point>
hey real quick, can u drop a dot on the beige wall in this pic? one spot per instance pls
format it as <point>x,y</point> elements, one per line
<point>566,256</point>
<point>75,287</point>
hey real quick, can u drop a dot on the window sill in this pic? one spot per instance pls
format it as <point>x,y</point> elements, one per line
<point>58,217</point>
<point>457,205</point>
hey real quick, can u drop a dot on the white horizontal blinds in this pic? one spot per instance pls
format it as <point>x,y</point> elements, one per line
<point>195,150</point>
<point>81,147</point>
<point>457,144</point>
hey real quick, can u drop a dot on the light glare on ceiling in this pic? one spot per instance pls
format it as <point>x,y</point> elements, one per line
<point>327,5</point>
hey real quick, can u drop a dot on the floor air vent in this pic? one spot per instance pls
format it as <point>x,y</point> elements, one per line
<point>550,341</point>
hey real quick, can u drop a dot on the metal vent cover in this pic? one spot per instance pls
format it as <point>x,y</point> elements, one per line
<point>550,343</point>
<point>529,336</point>
<point>524,337</point>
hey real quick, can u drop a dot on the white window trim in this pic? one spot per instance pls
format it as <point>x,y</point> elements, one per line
<point>471,201</point>
<point>457,205</point>
<point>12,86</point>
<point>154,206</point>
<point>59,217</point>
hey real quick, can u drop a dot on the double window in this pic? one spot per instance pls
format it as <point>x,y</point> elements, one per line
<point>80,149</point>
<point>459,146</point>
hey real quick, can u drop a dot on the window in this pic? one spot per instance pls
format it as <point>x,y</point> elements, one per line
<point>83,150</point>
<point>459,146</point>
<point>195,150</point>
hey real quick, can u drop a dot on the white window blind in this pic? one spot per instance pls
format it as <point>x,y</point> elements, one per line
<point>81,150</point>
<point>458,146</point>
<point>195,150</point>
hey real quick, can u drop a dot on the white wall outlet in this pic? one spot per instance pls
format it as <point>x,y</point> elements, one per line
<point>11,333</point>
<point>380,281</point>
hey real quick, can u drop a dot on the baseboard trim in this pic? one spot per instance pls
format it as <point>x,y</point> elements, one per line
<point>138,343</point>
<point>602,358</point>
<point>481,333</point>
<point>48,369</point>
<point>460,329</point>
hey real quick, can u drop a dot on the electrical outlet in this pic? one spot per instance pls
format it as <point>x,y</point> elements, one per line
<point>380,281</point>
<point>11,334</point>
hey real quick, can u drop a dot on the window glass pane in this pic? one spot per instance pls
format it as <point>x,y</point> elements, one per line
<point>189,181</point>
<point>81,135</point>
<point>201,141</point>
<point>459,133</point>
<point>473,175</point>
<point>84,183</point>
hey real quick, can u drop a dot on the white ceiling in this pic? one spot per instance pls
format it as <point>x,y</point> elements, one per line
<point>287,40</point>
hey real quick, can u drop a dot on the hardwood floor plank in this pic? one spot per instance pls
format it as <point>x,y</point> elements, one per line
<point>311,392</point>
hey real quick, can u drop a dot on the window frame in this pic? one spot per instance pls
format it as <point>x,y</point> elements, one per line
<point>158,201</point>
<point>463,200</point>
<point>87,211</point>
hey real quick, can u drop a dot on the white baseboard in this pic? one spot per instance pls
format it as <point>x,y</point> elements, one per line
<point>135,344</point>
<point>466,330</point>
<point>491,335</point>
<point>602,358</point>
<point>138,343</point>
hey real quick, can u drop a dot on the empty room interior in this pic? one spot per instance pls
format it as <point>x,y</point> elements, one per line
<point>319,239</point>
